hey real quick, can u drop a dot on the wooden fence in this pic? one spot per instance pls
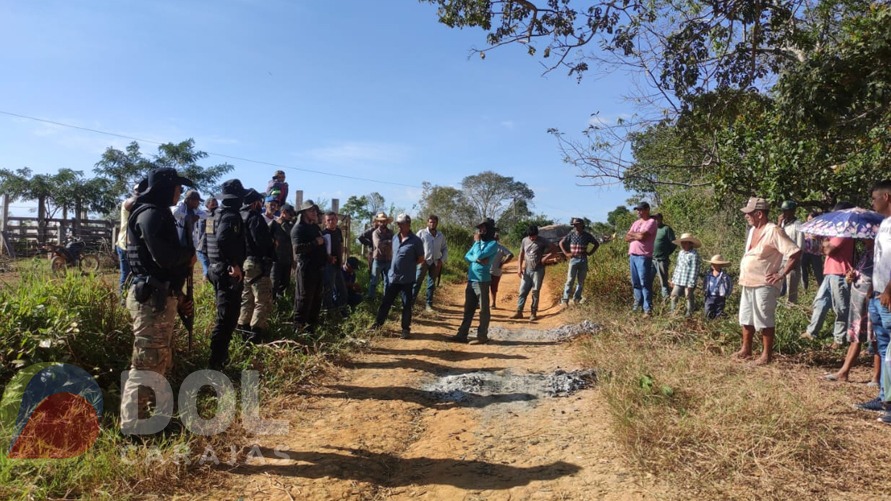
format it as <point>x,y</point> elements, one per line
<point>21,236</point>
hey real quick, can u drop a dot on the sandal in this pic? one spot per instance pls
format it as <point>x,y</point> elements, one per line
<point>830,377</point>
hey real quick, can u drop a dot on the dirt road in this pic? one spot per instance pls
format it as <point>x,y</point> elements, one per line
<point>377,431</point>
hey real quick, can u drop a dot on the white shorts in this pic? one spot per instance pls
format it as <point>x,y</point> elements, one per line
<point>758,306</point>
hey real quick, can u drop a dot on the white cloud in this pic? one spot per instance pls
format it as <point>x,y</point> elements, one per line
<point>508,124</point>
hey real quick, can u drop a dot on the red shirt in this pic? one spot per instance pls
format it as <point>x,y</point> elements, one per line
<point>841,259</point>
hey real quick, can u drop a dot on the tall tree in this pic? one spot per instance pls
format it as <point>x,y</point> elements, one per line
<point>781,98</point>
<point>124,169</point>
<point>492,195</point>
<point>446,202</point>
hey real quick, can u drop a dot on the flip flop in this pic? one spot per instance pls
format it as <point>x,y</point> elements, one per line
<point>830,377</point>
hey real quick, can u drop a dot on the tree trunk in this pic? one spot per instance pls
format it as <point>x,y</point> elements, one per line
<point>41,219</point>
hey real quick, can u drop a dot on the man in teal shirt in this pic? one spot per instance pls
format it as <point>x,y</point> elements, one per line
<point>476,294</point>
<point>662,250</point>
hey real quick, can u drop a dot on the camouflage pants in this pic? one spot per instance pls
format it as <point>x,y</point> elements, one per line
<point>256,298</point>
<point>152,351</point>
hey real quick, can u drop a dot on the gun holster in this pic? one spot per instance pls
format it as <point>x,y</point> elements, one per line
<point>147,288</point>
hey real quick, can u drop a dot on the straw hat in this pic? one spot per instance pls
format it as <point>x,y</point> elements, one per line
<point>382,216</point>
<point>719,260</point>
<point>688,237</point>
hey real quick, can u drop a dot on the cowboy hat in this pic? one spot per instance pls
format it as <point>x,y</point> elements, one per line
<point>232,190</point>
<point>252,196</point>
<point>382,216</point>
<point>719,260</point>
<point>309,204</point>
<point>163,178</point>
<point>688,237</point>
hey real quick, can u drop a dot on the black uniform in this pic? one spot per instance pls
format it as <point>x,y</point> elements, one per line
<point>160,265</point>
<point>311,259</point>
<point>284,256</point>
<point>225,248</point>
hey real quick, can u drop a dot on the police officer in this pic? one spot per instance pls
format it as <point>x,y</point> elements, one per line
<point>311,257</point>
<point>284,250</point>
<point>256,298</point>
<point>226,253</point>
<point>160,265</point>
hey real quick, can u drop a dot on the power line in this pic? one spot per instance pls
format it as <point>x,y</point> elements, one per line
<point>221,155</point>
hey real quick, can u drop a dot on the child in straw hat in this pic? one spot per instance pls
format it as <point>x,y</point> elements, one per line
<point>717,287</point>
<point>686,272</point>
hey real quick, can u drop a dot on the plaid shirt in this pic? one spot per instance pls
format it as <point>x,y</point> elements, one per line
<point>577,243</point>
<point>687,269</point>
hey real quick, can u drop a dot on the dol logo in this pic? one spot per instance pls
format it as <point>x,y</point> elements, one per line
<point>50,410</point>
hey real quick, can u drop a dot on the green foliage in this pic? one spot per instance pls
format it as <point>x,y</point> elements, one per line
<point>686,47</point>
<point>448,203</point>
<point>124,169</point>
<point>501,198</point>
<point>620,218</point>
<point>516,232</point>
<point>66,188</point>
<point>79,320</point>
<point>458,239</point>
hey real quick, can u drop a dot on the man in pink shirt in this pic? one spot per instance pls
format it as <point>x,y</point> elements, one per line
<point>641,237</point>
<point>761,274</point>
<point>834,291</point>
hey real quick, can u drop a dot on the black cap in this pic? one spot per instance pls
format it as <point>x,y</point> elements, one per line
<point>353,262</point>
<point>642,206</point>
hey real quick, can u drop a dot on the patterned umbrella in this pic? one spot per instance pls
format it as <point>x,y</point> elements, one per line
<point>848,223</point>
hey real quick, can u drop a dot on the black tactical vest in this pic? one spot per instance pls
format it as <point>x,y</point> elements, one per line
<point>210,232</point>
<point>138,256</point>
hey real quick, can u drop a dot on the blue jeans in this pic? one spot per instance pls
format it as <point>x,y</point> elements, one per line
<point>881,325</point>
<point>578,270</point>
<point>642,273</point>
<point>125,267</point>
<point>378,268</point>
<point>424,271</point>
<point>530,281</point>
<point>836,293</point>
<point>661,271</point>
<point>204,260</point>
<point>390,293</point>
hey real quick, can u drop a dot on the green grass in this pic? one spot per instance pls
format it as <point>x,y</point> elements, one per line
<point>79,320</point>
<point>685,411</point>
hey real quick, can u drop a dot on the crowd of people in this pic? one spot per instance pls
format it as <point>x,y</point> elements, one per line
<point>251,244</point>
<point>852,274</point>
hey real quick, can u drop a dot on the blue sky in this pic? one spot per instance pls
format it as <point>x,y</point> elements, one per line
<point>374,90</point>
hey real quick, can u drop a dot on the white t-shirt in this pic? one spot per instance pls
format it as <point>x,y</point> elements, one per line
<point>881,272</point>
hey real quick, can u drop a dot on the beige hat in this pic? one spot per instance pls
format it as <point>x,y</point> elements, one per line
<point>688,237</point>
<point>754,204</point>
<point>718,259</point>
<point>382,216</point>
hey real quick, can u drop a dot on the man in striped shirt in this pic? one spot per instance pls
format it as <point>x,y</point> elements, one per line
<point>577,245</point>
